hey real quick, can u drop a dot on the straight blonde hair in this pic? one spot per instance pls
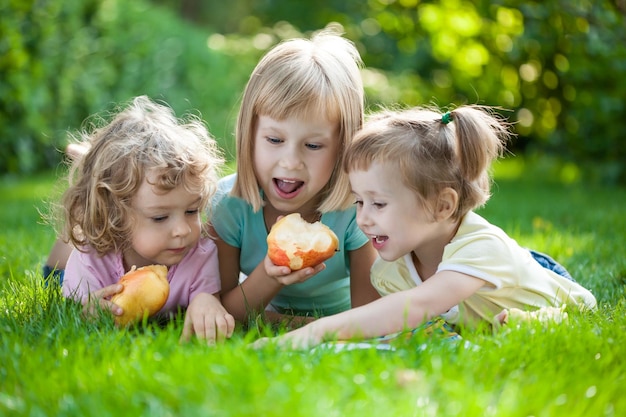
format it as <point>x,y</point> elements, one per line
<point>295,78</point>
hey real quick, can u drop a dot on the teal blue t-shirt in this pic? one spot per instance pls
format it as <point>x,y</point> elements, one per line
<point>326,293</point>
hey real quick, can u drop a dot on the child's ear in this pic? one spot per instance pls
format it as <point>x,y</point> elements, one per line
<point>447,202</point>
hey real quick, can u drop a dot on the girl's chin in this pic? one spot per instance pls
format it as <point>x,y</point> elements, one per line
<point>387,255</point>
<point>286,205</point>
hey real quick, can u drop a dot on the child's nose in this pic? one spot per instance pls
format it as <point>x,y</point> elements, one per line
<point>181,228</point>
<point>291,159</point>
<point>362,217</point>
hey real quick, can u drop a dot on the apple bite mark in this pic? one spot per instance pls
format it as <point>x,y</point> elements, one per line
<point>145,292</point>
<point>298,244</point>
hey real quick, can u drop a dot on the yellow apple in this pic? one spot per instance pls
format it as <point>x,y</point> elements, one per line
<point>145,292</point>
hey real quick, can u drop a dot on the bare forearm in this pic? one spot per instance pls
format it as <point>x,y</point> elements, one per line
<point>387,315</point>
<point>251,296</point>
<point>390,314</point>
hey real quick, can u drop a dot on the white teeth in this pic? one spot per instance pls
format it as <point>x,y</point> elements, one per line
<point>379,239</point>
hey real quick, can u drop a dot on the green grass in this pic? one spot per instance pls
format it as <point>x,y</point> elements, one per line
<point>54,363</point>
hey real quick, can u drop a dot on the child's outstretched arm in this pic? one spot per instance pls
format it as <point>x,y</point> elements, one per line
<point>207,318</point>
<point>390,314</point>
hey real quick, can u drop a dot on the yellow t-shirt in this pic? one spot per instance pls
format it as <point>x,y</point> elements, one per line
<point>513,279</point>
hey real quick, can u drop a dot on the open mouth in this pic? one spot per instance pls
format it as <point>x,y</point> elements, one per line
<point>380,239</point>
<point>287,187</point>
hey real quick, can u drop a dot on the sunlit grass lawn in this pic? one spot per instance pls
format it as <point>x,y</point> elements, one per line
<point>54,363</point>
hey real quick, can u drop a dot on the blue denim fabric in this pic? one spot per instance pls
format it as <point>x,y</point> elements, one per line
<point>549,263</point>
<point>52,275</point>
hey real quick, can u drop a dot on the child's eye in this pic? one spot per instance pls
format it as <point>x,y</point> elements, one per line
<point>358,202</point>
<point>192,212</point>
<point>379,205</point>
<point>313,146</point>
<point>159,219</point>
<point>274,140</point>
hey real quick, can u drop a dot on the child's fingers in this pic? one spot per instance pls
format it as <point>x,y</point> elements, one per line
<point>106,292</point>
<point>187,330</point>
<point>286,276</point>
<point>112,307</point>
<point>215,328</point>
<point>95,305</point>
<point>99,300</point>
<point>206,329</point>
<point>225,327</point>
<point>202,327</point>
<point>300,276</point>
<point>275,270</point>
<point>231,324</point>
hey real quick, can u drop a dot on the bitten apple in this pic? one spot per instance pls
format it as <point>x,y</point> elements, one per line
<point>145,291</point>
<point>298,244</point>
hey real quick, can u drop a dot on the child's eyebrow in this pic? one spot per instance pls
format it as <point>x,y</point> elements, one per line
<point>169,206</point>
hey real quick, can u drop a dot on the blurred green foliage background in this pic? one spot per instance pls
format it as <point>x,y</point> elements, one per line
<point>558,68</point>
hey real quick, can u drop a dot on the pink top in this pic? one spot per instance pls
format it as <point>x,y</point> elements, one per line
<point>197,272</point>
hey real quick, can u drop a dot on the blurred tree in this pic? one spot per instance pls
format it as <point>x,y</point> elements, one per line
<point>558,66</point>
<point>545,61</point>
<point>62,61</point>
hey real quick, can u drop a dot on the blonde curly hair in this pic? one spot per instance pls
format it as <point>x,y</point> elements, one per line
<point>103,182</point>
